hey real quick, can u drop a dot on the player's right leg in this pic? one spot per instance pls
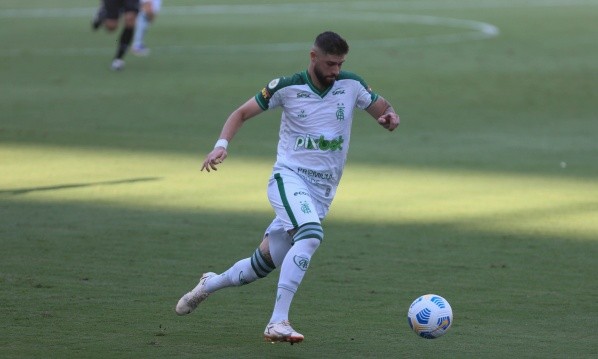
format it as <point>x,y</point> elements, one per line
<point>243,272</point>
<point>144,19</point>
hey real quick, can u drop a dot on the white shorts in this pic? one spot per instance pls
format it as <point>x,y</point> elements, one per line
<point>279,241</point>
<point>293,201</point>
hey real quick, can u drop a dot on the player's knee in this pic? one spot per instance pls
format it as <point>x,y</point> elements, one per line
<point>110,25</point>
<point>261,263</point>
<point>311,232</point>
<point>130,19</point>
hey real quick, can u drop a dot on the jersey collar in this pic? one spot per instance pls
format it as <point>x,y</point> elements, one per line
<point>313,87</point>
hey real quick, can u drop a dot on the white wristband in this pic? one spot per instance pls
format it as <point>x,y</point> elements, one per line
<point>221,143</point>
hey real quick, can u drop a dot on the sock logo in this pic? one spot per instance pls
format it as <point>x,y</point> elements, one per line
<point>301,262</point>
<point>242,280</point>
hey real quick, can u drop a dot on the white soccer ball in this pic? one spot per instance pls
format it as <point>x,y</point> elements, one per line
<point>430,316</point>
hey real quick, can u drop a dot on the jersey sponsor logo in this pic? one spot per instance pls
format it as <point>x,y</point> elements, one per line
<point>310,142</point>
<point>300,193</point>
<point>339,91</point>
<point>303,94</point>
<point>273,83</point>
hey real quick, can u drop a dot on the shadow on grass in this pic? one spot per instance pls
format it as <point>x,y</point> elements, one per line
<point>106,277</point>
<point>19,191</point>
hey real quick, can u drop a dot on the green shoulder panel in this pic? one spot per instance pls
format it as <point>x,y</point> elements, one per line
<point>263,97</point>
<point>346,75</point>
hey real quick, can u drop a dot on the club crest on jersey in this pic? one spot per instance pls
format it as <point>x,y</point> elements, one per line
<point>309,142</point>
<point>340,112</point>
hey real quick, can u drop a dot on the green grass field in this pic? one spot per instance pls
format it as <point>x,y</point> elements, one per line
<point>487,194</point>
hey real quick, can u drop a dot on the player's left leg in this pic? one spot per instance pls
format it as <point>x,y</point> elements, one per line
<point>290,197</point>
<point>131,7</point>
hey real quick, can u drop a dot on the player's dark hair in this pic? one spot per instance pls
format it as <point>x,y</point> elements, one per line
<point>332,43</point>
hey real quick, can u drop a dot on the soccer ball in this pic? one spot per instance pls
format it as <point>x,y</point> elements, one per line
<point>430,316</point>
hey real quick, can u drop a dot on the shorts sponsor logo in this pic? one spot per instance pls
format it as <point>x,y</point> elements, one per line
<point>315,174</point>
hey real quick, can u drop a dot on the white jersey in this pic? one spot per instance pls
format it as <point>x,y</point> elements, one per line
<point>315,128</point>
<point>156,4</point>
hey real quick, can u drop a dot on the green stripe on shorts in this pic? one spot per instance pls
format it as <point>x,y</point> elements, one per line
<point>285,201</point>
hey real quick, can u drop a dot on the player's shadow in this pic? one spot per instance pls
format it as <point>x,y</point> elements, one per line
<point>19,191</point>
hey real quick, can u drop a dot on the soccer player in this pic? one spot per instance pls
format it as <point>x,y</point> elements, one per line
<point>147,15</point>
<point>108,15</point>
<point>317,111</point>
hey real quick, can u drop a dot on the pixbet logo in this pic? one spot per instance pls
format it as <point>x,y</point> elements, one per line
<point>310,142</point>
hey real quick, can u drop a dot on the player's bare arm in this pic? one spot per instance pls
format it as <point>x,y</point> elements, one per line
<point>384,113</point>
<point>236,119</point>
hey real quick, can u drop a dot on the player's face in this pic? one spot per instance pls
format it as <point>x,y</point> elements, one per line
<point>327,67</point>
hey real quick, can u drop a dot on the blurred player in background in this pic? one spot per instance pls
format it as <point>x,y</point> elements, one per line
<point>108,15</point>
<point>317,111</point>
<point>147,14</point>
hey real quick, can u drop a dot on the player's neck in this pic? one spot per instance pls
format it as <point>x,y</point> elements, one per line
<point>314,80</point>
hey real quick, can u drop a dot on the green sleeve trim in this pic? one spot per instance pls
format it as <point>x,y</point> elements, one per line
<point>261,102</point>
<point>375,97</point>
<point>263,97</point>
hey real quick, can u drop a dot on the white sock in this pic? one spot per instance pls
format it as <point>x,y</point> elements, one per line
<point>284,297</point>
<point>293,270</point>
<point>140,27</point>
<point>240,273</point>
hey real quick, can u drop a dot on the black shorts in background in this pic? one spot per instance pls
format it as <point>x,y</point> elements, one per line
<point>115,7</point>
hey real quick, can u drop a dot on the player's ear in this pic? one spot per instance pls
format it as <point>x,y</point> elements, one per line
<point>313,54</point>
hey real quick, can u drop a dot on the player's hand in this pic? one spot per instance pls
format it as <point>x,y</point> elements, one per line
<point>214,158</point>
<point>389,121</point>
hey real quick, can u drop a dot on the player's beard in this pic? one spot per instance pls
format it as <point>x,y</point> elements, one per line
<point>325,81</point>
